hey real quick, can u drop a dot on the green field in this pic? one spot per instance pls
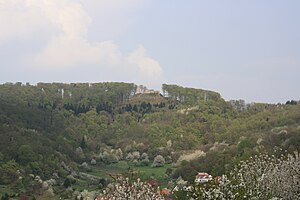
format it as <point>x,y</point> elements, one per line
<point>158,173</point>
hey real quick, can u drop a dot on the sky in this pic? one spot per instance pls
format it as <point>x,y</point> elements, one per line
<point>243,49</point>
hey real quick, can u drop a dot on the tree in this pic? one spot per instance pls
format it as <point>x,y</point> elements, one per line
<point>26,154</point>
<point>159,161</point>
<point>5,197</point>
<point>83,142</point>
<point>8,172</point>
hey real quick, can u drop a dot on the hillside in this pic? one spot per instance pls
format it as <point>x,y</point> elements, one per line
<point>80,134</point>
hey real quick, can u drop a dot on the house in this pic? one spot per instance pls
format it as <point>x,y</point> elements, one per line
<point>203,177</point>
<point>151,91</point>
<point>165,191</point>
<point>143,90</point>
<point>102,197</point>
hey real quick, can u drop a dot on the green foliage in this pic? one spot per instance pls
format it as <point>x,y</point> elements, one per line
<point>189,95</point>
<point>26,154</point>
<point>43,125</point>
<point>5,197</point>
<point>9,172</point>
<point>83,144</point>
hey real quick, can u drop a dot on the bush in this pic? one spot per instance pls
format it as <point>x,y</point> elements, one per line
<point>136,155</point>
<point>159,161</point>
<point>109,158</point>
<point>129,157</point>
<point>145,162</point>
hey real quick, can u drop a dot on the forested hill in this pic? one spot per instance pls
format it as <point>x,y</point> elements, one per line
<point>48,128</point>
<point>94,94</point>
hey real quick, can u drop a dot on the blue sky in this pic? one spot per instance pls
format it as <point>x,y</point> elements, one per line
<point>244,49</point>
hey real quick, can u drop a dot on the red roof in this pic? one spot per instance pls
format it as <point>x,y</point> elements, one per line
<point>202,174</point>
<point>165,191</point>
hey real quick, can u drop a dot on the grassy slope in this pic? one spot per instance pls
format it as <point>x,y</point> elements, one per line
<point>158,173</point>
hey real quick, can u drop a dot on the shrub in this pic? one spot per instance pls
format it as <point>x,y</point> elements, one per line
<point>159,161</point>
<point>109,158</point>
<point>136,155</point>
<point>145,162</point>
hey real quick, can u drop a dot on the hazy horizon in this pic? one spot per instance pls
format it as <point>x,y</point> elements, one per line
<point>243,49</point>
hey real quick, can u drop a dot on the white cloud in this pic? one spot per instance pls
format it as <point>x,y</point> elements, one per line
<point>18,21</point>
<point>67,52</point>
<point>148,67</point>
<point>114,17</point>
<point>68,44</point>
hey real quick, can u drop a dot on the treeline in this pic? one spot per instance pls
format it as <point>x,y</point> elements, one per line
<point>89,94</point>
<point>189,95</point>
